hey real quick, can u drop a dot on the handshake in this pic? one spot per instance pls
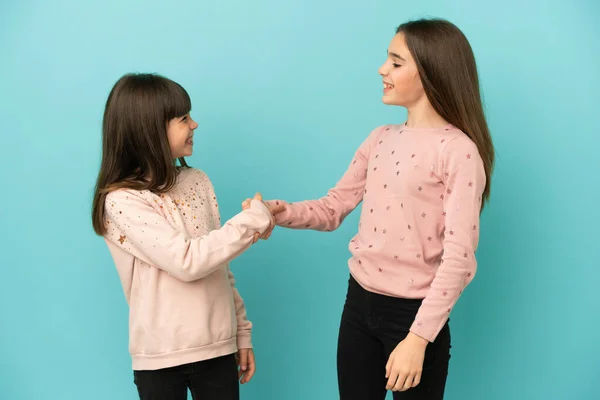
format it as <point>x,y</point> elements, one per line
<point>273,209</point>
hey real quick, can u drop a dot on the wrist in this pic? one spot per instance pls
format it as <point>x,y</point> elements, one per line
<point>416,339</point>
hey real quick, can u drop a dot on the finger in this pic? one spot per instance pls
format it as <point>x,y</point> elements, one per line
<point>400,382</point>
<point>417,379</point>
<point>258,196</point>
<point>256,237</point>
<point>245,373</point>
<point>251,368</point>
<point>276,209</point>
<point>388,366</point>
<point>237,361</point>
<point>244,359</point>
<point>392,379</point>
<point>408,383</point>
<point>266,234</point>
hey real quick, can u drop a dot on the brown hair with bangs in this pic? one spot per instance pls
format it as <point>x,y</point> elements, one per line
<point>135,148</point>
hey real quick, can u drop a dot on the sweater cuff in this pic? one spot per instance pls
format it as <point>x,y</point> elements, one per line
<point>426,330</point>
<point>259,205</point>
<point>244,341</point>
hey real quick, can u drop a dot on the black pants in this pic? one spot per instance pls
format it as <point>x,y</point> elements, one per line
<point>372,325</point>
<point>215,379</point>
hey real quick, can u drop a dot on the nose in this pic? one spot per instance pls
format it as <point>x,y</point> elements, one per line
<point>193,124</point>
<point>383,70</point>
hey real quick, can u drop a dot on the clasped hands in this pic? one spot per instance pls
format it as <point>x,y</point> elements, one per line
<point>273,209</point>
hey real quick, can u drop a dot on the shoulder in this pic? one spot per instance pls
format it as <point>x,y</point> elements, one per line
<point>461,155</point>
<point>193,174</point>
<point>459,145</point>
<point>120,207</point>
<point>120,196</point>
<point>382,130</point>
<point>197,180</point>
<point>379,133</point>
<point>124,202</point>
<point>121,203</point>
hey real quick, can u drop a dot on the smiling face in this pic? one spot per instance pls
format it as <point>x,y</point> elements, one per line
<point>402,84</point>
<point>180,132</point>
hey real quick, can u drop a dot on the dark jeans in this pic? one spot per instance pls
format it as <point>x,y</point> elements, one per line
<point>215,379</point>
<point>371,327</point>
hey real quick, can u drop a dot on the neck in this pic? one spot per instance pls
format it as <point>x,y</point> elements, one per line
<point>422,115</point>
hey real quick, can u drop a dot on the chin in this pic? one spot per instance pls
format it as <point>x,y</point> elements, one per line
<point>392,102</point>
<point>388,101</point>
<point>183,154</point>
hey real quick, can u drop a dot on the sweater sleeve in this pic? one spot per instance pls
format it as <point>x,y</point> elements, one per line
<point>139,229</point>
<point>244,326</point>
<point>464,181</point>
<point>328,212</point>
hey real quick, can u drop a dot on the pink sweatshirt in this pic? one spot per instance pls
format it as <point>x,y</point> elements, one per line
<point>419,226</point>
<point>172,257</point>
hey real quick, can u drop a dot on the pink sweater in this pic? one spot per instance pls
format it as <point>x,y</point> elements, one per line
<point>172,257</point>
<point>419,226</point>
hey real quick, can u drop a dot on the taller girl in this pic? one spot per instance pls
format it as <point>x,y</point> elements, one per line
<point>423,184</point>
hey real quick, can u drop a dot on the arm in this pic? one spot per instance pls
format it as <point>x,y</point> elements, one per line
<point>464,181</point>
<point>244,326</point>
<point>327,213</point>
<point>245,354</point>
<point>134,225</point>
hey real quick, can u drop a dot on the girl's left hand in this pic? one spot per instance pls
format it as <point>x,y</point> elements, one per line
<point>246,364</point>
<point>405,364</point>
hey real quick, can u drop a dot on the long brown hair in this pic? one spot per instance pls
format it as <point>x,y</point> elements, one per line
<point>448,71</point>
<point>135,148</point>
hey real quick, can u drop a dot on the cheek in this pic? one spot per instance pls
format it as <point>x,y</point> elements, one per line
<point>407,83</point>
<point>171,134</point>
<point>175,136</point>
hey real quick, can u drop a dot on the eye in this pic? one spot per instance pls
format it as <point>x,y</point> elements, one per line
<point>184,119</point>
<point>396,65</point>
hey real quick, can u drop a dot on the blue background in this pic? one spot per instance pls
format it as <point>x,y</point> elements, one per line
<point>284,93</point>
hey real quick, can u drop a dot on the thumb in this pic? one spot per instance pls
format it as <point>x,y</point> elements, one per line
<point>246,204</point>
<point>258,197</point>
<point>244,359</point>
<point>275,206</point>
<point>277,209</point>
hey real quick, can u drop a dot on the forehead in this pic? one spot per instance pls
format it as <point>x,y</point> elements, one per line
<point>398,46</point>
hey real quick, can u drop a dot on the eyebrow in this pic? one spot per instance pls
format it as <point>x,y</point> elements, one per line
<point>396,56</point>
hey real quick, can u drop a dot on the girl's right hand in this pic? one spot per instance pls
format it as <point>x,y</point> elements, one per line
<point>273,209</point>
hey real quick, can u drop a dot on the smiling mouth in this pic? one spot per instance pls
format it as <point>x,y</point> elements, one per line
<point>387,86</point>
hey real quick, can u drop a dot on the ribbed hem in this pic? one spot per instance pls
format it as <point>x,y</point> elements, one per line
<point>244,341</point>
<point>186,356</point>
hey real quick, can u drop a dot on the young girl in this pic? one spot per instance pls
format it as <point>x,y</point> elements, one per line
<point>187,322</point>
<point>423,184</point>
